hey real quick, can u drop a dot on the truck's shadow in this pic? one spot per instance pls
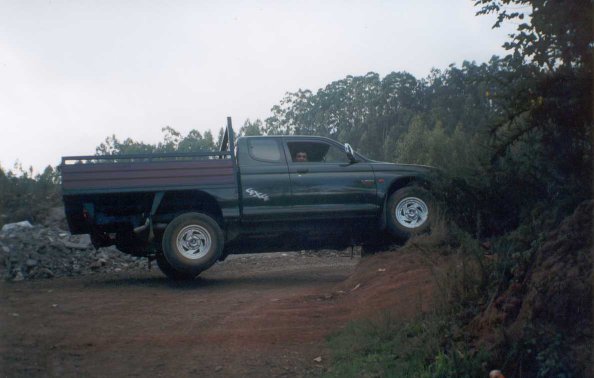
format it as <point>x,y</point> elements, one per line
<point>266,279</point>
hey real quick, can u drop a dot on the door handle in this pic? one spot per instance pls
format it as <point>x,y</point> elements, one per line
<point>302,170</point>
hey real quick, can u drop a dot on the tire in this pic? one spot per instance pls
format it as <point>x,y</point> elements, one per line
<point>410,211</point>
<point>171,272</point>
<point>192,242</point>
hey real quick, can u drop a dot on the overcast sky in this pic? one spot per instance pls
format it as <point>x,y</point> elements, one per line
<point>74,72</point>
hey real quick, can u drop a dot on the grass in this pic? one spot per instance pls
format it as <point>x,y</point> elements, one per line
<point>421,347</point>
<point>386,348</point>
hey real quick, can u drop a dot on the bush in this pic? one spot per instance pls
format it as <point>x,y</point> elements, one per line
<point>27,197</point>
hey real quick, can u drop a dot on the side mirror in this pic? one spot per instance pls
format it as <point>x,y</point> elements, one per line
<point>350,153</point>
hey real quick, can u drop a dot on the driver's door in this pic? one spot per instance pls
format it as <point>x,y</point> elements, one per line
<point>328,185</point>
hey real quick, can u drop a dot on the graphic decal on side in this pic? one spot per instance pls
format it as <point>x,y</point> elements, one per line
<point>256,194</point>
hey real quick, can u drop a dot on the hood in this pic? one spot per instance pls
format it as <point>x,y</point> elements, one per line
<point>417,168</point>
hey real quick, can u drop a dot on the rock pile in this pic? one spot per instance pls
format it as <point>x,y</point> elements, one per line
<point>28,252</point>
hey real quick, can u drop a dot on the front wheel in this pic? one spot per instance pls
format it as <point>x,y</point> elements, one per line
<point>192,242</point>
<point>410,211</point>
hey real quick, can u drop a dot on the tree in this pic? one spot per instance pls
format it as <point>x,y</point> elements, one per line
<point>250,128</point>
<point>173,141</point>
<point>552,33</point>
<point>547,100</point>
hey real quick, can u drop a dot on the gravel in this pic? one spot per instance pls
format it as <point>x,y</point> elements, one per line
<point>46,252</point>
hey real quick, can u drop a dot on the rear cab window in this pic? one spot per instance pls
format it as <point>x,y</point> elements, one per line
<point>260,151</point>
<point>264,150</point>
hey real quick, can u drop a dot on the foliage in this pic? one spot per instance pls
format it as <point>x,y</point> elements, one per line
<point>250,128</point>
<point>443,343</point>
<point>520,165</point>
<point>24,196</point>
<point>457,153</point>
<point>390,348</point>
<point>539,353</point>
<point>552,33</point>
<point>542,134</point>
<point>173,141</point>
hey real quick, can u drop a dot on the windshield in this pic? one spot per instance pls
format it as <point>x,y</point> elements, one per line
<point>360,156</point>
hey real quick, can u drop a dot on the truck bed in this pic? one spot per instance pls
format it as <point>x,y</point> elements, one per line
<point>120,190</point>
<point>110,177</point>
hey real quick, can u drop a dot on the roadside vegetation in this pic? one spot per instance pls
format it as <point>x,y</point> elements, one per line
<point>513,137</point>
<point>27,196</point>
<point>520,302</point>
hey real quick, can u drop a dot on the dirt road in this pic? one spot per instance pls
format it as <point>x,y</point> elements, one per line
<point>245,316</point>
<point>254,315</point>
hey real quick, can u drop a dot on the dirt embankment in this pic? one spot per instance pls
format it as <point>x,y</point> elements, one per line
<point>551,302</point>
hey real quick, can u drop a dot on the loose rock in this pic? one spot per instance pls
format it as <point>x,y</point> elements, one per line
<point>39,252</point>
<point>31,263</point>
<point>12,226</point>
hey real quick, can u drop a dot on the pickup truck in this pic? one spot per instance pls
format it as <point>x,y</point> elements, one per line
<point>257,194</point>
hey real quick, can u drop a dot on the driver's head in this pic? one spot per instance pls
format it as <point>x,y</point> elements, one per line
<point>301,156</point>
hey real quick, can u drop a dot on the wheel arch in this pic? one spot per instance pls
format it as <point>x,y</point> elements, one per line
<point>396,184</point>
<point>175,203</point>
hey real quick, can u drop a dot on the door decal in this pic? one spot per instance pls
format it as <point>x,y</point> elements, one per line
<point>256,194</point>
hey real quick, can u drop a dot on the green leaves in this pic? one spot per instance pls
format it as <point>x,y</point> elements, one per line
<point>173,141</point>
<point>250,128</point>
<point>559,33</point>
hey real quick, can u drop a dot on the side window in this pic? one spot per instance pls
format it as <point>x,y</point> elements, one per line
<point>336,155</point>
<point>316,152</point>
<point>264,150</point>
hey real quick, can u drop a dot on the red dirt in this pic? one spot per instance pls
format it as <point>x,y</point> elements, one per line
<point>250,316</point>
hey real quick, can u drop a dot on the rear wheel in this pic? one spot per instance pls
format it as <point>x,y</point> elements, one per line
<point>192,242</point>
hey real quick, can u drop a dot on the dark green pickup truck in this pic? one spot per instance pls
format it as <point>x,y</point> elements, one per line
<point>263,194</point>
